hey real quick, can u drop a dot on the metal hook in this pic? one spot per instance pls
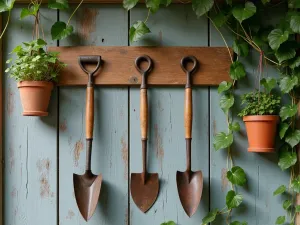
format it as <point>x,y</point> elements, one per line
<point>146,71</point>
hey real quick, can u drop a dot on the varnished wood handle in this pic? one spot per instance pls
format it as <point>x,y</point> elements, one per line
<point>144,114</point>
<point>188,113</point>
<point>89,117</point>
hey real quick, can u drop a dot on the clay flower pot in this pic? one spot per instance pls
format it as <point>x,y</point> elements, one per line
<point>35,97</point>
<point>261,131</point>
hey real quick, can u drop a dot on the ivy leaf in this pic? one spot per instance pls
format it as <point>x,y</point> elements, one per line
<point>293,138</point>
<point>61,30</point>
<point>58,4</point>
<point>237,176</point>
<point>32,11</point>
<point>222,140</point>
<point>283,127</point>
<point>6,5</point>
<point>268,83</point>
<point>286,158</point>
<point>241,47</point>
<point>129,4</point>
<point>265,1</point>
<point>238,223</point>
<point>294,4</point>
<point>297,208</point>
<point>202,6</point>
<point>226,102</point>
<point>153,5</point>
<point>277,37</point>
<point>166,2</point>
<point>287,111</point>
<point>237,70</point>
<point>295,24</point>
<point>210,217</point>
<point>295,63</point>
<point>234,126</point>
<point>280,190</point>
<point>169,223</point>
<point>285,53</point>
<point>280,220</point>
<point>137,31</point>
<point>287,83</point>
<point>295,185</point>
<point>286,204</point>
<point>219,19</point>
<point>233,200</point>
<point>242,13</point>
<point>224,86</point>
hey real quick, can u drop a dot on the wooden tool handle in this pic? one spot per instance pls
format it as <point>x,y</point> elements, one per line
<point>188,113</point>
<point>144,114</point>
<point>89,117</point>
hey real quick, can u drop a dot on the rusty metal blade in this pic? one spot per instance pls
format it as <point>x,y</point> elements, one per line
<point>144,194</point>
<point>190,186</point>
<point>87,191</point>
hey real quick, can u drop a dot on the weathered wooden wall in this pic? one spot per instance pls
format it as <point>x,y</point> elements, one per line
<point>41,154</point>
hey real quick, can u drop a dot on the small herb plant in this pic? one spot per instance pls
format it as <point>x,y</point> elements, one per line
<point>260,103</point>
<point>34,63</point>
<point>169,223</point>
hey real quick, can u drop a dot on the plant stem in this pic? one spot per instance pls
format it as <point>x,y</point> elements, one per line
<point>147,16</point>
<point>6,25</point>
<point>74,12</point>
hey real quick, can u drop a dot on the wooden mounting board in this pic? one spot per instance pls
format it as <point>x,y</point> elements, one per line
<point>119,69</point>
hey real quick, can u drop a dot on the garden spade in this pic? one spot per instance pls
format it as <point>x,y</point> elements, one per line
<point>144,186</point>
<point>189,183</point>
<point>87,186</point>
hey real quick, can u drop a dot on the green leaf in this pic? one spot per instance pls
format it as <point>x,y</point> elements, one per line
<point>284,53</point>
<point>222,140</point>
<point>295,23</point>
<point>295,185</point>
<point>283,127</point>
<point>61,30</point>
<point>293,138</point>
<point>226,102</point>
<point>242,13</point>
<point>202,6</point>
<point>287,112</point>
<point>210,217</point>
<point>238,223</point>
<point>280,220</point>
<point>219,19</point>
<point>6,5</point>
<point>237,70</point>
<point>280,190</point>
<point>169,223</point>
<point>224,86</point>
<point>129,4</point>
<point>297,208</point>
<point>286,158</point>
<point>32,11</point>
<point>268,83</point>
<point>287,83</point>
<point>58,4</point>
<point>137,31</point>
<point>295,63</point>
<point>234,126</point>
<point>237,176</point>
<point>241,47</point>
<point>265,1</point>
<point>166,2</point>
<point>277,37</point>
<point>294,4</point>
<point>233,200</point>
<point>153,5</point>
<point>286,204</point>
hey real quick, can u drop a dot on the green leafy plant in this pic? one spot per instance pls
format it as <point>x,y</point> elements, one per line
<point>34,63</point>
<point>169,223</point>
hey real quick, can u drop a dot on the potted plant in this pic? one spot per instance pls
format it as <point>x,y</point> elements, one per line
<point>35,69</point>
<point>261,116</point>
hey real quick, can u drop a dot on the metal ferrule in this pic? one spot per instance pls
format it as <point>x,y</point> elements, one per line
<point>188,81</point>
<point>144,81</point>
<point>90,80</point>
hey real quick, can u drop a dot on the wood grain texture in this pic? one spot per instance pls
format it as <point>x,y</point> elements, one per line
<point>119,69</point>
<point>110,145</point>
<point>144,113</point>
<point>176,25</point>
<point>259,205</point>
<point>89,112</point>
<point>29,143</point>
<point>188,113</point>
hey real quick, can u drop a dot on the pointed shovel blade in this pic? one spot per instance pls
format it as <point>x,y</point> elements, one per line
<point>189,185</point>
<point>144,194</point>
<point>87,191</point>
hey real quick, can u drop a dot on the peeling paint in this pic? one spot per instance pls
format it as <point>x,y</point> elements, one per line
<point>63,126</point>
<point>224,179</point>
<point>87,23</point>
<point>78,148</point>
<point>125,157</point>
<point>12,159</point>
<point>10,101</point>
<point>70,215</point>
<point>14,193</point>
<point>43,166</point>
<point>158,145</point>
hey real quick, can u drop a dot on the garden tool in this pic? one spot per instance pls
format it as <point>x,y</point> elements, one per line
<point>87,186</point>
<point>144,186</point>
<point>189,183</point>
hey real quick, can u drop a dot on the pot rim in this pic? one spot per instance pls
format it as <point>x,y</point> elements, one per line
<point>48,84</point>
<point>261,118</point>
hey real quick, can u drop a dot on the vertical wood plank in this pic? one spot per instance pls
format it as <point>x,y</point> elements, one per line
<point>95,25</point>
<point>176,25</point>
<point>263,174</point>
<point>29,142</point>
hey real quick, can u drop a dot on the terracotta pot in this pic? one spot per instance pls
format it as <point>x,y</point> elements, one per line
<point>35,97</point>
<point>261,131</point>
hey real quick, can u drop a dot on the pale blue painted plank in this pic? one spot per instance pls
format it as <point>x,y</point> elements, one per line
<point>176,25</point>
<point>30,180</point>
<point>105,25</point>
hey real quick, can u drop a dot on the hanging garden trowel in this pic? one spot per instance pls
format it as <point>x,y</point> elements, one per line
<point>144,186</point>
<point>87,186</point>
